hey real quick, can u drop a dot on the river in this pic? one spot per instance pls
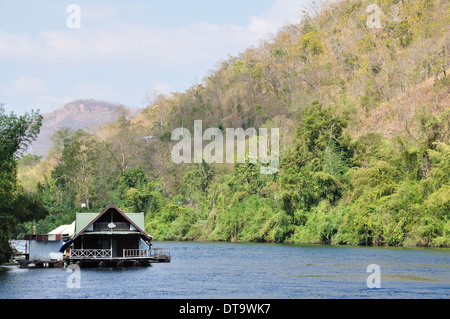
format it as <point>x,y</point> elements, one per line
<point>249,271</point>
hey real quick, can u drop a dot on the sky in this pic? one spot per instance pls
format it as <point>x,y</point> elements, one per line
<point>122,51</point>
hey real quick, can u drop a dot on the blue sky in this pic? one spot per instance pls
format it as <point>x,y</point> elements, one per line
<point>124,50</point>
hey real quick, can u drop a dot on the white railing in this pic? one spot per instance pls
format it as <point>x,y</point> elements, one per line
<point>155,252</point>
<point>160,252</point>
<point>92,253</point>
<point>127,253</point>
<point>132,253</point>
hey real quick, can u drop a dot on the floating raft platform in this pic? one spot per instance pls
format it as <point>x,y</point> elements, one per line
<point>102,259</point>
<point>24,264</point>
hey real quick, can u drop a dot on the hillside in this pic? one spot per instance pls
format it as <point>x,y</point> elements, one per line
<point>365,126</point>
<point>382,76</point>
<point>87,114</point>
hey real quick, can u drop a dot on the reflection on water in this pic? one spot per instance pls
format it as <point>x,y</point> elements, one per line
<point>413,278</point>
<point>242,271</point>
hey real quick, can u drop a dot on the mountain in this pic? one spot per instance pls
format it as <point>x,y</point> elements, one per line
<point>87,114</point>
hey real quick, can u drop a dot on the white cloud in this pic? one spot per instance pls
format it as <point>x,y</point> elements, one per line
<point>148,44</point>
<point>163,88</point>
<point>24,85</point>
<point>260,26</point>
<point>16,46</point>
<point>60,44</point>
<point>285,11</point>
<point>94,90</point>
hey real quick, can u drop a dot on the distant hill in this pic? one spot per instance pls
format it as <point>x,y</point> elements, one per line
<point>87,114</point>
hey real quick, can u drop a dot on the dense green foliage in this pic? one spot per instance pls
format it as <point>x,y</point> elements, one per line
<point>365,154</point>
<point>16,205</point>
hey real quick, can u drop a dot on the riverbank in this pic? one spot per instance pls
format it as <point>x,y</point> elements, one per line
<point>419,244</point>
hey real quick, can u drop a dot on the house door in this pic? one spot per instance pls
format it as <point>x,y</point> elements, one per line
<point>114,248</point>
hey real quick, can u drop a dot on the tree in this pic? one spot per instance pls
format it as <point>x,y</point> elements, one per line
<point>16,134</point>
<point>123,144</point>
<point>318,128</point>
<point>196,182</point>
<point>77,166</point>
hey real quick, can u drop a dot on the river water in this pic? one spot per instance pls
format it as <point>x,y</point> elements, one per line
<point>248,271</point>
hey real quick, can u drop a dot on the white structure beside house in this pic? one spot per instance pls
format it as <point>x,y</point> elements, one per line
<point>46,248</point>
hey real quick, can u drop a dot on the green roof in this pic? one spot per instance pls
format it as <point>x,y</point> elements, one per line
<point>83,219</point>
<point>138,219</point>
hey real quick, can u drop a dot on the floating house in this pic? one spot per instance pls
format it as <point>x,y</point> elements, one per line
<point>109,238</point>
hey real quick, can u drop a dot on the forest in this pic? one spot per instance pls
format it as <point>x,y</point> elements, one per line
<point>364,118</point>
